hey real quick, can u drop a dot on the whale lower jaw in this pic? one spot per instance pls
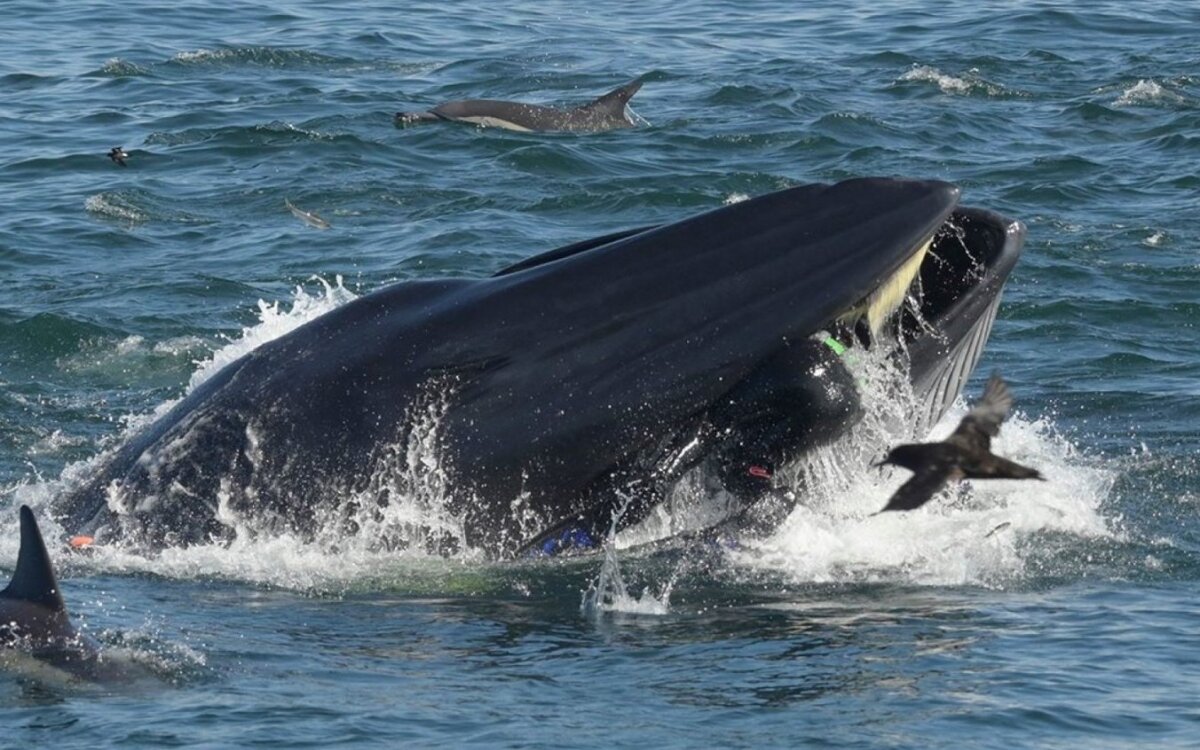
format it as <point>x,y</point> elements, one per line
<point>944,346</point>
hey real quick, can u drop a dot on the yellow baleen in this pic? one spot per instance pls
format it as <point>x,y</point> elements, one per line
<point>880,304</point>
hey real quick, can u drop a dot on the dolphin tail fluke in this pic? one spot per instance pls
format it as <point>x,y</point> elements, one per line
<point>615,100</point>
<point>34,580</point>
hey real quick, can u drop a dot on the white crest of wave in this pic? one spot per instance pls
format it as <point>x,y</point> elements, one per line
<point>113,206</point>
<point>201,55</point>
<point>1156,239</point>
<point>1147,92</point>
<point>947,83</point>
<point>115,66</point>
<point>968,83</point>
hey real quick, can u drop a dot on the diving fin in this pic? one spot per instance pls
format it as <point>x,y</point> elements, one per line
<point>34,580</point>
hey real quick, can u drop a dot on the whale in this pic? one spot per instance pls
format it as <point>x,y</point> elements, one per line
<point>33,616</point>
<point>522,412</point>
<point>607,112</point>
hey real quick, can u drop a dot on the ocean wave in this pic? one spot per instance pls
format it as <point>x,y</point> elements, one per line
<point>115,206</point>
<point>1157,238</point>
<point>56,442</point>
<point>1147,92</point>
<point>970,83</point>
<point>276,131</point>
<point>117,67</point>
<point>273,57</point>
<point>289,58</point>
<point>121,358</point>
<point>23,81</point>
<point>138,207</point>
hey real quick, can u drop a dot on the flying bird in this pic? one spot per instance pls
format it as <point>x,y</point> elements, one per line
<point>118,155</point>
<point>966,454</point>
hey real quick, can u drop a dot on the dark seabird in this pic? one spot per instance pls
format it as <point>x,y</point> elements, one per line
<point>119,155</point>
<point>966,454</point>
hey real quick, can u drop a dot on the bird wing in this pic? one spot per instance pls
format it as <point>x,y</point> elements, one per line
<point>919,488</point>
<point>996,467</point>
<point>982,423</point>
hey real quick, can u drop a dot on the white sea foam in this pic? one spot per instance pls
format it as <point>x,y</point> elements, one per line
<point>947,83</point>
<point>113,206</point>
<point>1156,239</point>
<point>1147,92</point>
<point>968,83</point>
<point>203,55</point>
<point>735,198</point>
<point>115,66</point>
<point>55,442</point>
<point>963,537</point>
<point>179,345</point>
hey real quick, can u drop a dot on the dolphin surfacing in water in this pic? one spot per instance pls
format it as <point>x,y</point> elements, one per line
<point>523,408</point>
<point>33,616</point>
<point>607,112</point>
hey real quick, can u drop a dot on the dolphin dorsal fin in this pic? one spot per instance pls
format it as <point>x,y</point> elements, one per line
<point>33,581</point>
<point>615,100</point>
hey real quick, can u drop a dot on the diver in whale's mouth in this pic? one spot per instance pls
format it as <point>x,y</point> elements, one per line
<point>599,371</point>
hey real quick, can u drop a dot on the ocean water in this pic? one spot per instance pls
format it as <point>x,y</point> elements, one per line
<point>1056,615</point>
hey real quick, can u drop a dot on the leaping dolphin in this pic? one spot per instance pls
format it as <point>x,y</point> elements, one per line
<point>516,412</point>
<point>607,112</point>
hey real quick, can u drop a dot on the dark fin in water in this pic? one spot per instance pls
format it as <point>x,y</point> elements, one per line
<point>614,101</point>
<point>34,581</point>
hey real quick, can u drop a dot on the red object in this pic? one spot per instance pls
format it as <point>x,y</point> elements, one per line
<point>761,472</point>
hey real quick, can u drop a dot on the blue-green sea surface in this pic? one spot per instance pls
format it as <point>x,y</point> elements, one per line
<point>1061,615</point>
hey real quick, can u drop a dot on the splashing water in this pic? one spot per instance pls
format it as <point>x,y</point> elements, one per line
<point>609,592</point>
<point>970,535</point>
<point>404,505</point>
<point>274,322</point>
<point>398,522</point>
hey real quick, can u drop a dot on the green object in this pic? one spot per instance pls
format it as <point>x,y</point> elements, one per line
<point>834,345</point>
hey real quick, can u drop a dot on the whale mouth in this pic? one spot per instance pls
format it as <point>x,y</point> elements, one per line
<point>945,315</point>
<point>934,313</point>
<point>963,263</point>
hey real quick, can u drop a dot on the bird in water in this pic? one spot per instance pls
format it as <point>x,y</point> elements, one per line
<point>119,155</point>
<point>966,454</point>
